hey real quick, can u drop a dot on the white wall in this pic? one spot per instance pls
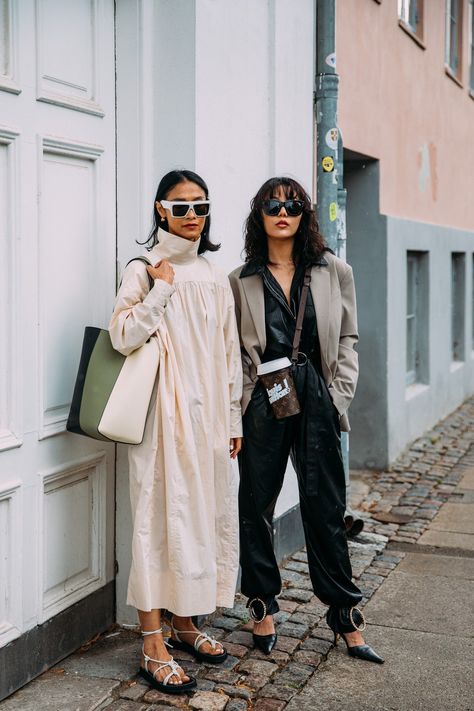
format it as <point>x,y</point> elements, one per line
<point>222,87</point>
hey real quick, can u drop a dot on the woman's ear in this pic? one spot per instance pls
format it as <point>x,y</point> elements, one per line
<point>161,210</point>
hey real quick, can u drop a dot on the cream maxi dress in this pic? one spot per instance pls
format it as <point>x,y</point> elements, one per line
<point>183,488</point>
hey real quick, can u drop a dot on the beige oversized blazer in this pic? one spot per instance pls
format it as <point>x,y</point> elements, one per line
<point>332,288</point>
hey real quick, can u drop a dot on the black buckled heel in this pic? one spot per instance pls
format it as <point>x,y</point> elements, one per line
<point>350,619</point>
<point>258,612</point>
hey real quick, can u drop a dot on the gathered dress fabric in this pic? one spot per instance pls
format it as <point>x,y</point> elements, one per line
<point>183,488</point>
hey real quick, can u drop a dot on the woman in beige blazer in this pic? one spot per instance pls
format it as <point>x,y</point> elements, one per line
<point>282,243</point>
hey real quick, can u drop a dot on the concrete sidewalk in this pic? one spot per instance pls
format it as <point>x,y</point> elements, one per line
<point>415,565</point>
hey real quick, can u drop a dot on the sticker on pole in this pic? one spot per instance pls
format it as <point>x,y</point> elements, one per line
<point>332,211</point>
<point>331,138</point>
<point>331,59</point>
<point>328,164</point>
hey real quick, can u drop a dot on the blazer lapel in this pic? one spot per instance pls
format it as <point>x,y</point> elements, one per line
<point>253,290</point>
<point>321,293</point>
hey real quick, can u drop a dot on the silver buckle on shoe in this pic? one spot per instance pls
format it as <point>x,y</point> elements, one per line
<point>253,613</point>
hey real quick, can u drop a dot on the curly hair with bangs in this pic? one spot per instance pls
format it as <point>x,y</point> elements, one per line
<point>309,243</point>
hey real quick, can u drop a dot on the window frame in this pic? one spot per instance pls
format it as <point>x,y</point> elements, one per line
<point>454,69</point>
<point>414,30</point>
<point>458,308</point>
<point>417,315</point>
<point>471,46</point>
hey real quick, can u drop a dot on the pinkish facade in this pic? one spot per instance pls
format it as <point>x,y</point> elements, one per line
<point>407,121</point>
<point>398,104</point>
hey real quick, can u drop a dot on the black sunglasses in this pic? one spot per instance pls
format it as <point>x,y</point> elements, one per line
<point>293,208</point>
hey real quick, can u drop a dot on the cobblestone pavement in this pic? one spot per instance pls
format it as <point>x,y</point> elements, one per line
<point>397,510</point>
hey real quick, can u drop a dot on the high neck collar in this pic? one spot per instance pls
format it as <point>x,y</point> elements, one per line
<point>176,249</point>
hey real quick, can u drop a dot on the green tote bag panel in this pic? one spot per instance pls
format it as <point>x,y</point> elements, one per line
<point>112,392</point>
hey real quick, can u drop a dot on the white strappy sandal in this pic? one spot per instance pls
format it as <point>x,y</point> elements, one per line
<point>164,685</point>
<point>194,649</point>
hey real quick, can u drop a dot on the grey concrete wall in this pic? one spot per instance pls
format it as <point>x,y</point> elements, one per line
<point>386,414</point>
<point>367,253</point>
<point>416,408</point>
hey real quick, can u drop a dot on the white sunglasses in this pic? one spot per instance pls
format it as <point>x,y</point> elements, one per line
<point>178,208</point>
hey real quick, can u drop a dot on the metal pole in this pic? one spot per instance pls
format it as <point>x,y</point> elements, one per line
<point>326,91</point>
<point>331,195</point>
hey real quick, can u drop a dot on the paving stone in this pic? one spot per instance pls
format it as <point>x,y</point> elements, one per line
<point>273,691</point>
<point>286,644</point>
<point>256,681</point>
<point>276,655</point>
<point>304,618</point>
<point>281,616</point>
<point>301,556</point>
<point>269,705</point>
<point>237,691</point>
<point>223,675</point>
<point>124,705</point>
<point>313,607</point>
<point>236,650</point>
<point>294,675</point>
<point>158,697</point>
<point>205,684</point>
<point>323,633</point>
<point>208,701</point>
<point>228,663</point>
<point>296,594</point>
<point>289,629</point>
<point>51,689</point>
<point>287,605</point>
<point>236,705</point>
<point>305,656</point>
<point>373,578</point>
<point>134,692</point>
<point>240,611</point>
<point>256,666</point>
<point>322,646</point>
<point>111,657</point>
<point>298,566</point>
<point>226,623</point>
<point>242,638</point>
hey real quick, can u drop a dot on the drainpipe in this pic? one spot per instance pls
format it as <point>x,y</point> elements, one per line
<point>331,195</point>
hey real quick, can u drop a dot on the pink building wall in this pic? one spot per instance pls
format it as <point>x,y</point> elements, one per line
<point>397,104</point>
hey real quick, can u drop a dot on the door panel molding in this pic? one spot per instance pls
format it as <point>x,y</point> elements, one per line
<point>10,562</point>
<point>80,90</point>
<point>10,436</point>
<point>72,533</point>
<point>9,56</point>
<point>65,297</point>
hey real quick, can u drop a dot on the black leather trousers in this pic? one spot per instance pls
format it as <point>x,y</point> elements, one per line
<point>312,440</point>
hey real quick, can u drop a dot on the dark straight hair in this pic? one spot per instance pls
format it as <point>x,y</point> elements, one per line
<point>167,183</point>
<point>309,243</point>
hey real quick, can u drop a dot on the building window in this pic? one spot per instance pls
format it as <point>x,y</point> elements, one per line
<point>454,36</point>
<point>417,327</point>
<point>472,300</point>
<point>458,285</point>
<point>410,13</point>
<point>471,26</point>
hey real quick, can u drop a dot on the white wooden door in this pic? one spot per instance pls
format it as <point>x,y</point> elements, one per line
<point>57,274</point>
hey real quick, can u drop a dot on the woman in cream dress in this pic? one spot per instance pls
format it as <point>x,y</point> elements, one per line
<point>182,485</point>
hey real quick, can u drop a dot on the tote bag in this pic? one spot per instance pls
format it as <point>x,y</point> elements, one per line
<point>112,391</point>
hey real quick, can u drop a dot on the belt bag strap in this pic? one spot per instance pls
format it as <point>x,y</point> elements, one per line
<point>300,316</point>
